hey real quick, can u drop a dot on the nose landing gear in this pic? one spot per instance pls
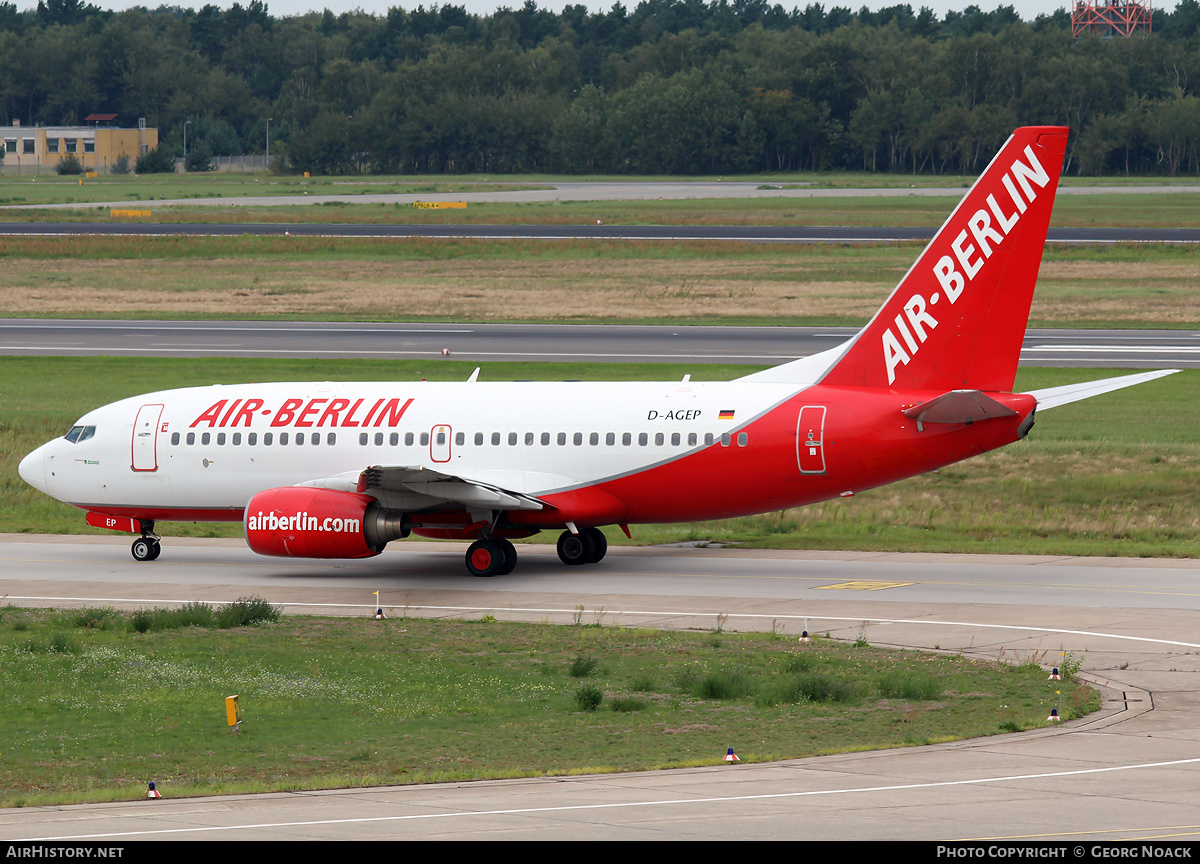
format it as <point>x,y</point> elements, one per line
<point>146,547</point>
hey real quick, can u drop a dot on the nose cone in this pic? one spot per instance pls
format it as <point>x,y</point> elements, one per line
<point>33,469</point>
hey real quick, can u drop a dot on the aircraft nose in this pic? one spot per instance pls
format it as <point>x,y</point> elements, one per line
<point>33,469</point>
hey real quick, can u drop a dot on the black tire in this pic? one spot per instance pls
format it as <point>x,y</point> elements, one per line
<point>576,548</point>
<point>155,550</point>
<point>510,556</point>
<point>599,544</point>
<point>485,558</point>
<point>143,549</point>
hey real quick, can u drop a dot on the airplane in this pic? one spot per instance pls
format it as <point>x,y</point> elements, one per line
<point>338,470</point>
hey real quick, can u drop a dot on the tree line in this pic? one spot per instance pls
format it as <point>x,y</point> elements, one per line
<point>667,87</point>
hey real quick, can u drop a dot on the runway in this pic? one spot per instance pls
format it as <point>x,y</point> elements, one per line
<point>586,231</point>
<point>1130,772</point>
<point>590,343</point>
<point>592,190</point>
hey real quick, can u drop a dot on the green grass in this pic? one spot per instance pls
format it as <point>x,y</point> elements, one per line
<point>94,714</point>
<point>1115,475</point>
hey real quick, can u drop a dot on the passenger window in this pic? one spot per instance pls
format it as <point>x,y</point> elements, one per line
<point>191,438</point>
<point>691,439</point>
<point>378,439</point>
<point>252,438</point>
<point>363,438</point>
<point>441,438</point>
<point>174,437</point>
<point>724,439</point>
<point>459,438</point>
<point>529,439</point>
<point>594,438</point>
<point>394,438</point>
<point>268,437</point>
<point>408,439</point>
<point>424,439</point>
<point>314,438</point>
<point>610,439</point>
<point>658,439</point>
<point>708,439</point>
<point>204,439</point>
<point>478,439</point>
<point>495,439</point>
<point>221,439</point>
<point>545,439</point>
<point>299,438</point>
<point>642,439</point>
<point>331,439</point>
<point>674,439</point>
<point>512,439</point>
<point>237,438</point>
<point>577,440</point>
<point>283,438</point>
<point>627,438</point>
<point>743,439</point>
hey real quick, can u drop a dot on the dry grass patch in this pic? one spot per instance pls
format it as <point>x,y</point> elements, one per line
<point>541,280</point>
<point>461,288</point>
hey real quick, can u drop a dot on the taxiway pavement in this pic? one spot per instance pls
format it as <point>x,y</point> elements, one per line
<point>1130,772</point>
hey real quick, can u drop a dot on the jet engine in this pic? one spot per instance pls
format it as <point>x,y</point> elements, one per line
<point>309,522</point>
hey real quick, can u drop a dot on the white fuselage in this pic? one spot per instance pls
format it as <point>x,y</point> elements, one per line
<point>212,448</point>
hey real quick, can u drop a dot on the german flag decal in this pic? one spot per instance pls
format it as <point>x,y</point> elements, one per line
<point>727,414</point>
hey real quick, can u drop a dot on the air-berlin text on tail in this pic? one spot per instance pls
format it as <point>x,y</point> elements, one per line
<point>340,413</point>
<point>988,227</point>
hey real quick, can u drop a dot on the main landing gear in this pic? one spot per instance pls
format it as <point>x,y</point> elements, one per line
<point>492,556</point>
<point>586,547</point>
<point>495,556</point>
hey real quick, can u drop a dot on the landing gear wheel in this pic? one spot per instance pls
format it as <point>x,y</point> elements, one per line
<point>145,549</point>
<point>510,556</point>
<point>599,544</point>
<point>487,558</point>
<point>576,548</point>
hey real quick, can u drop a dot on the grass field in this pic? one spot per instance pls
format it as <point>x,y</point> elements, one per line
<point>497,280</point>
<point>1114,475</point>
<point>93,710</point>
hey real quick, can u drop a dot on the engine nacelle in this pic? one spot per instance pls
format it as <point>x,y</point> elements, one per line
<point>308,522</point>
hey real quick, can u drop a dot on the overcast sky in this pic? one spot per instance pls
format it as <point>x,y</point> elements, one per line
<point>1028,9</point>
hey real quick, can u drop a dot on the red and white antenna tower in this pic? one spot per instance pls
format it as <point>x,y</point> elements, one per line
<point>1110,18</point>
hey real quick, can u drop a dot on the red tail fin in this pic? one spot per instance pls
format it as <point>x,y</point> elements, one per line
<point>957,318</point>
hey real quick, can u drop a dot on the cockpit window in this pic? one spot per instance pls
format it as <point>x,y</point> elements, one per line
<point>80,433</point>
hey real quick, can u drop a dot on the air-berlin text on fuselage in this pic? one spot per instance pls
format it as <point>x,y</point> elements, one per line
<point>340,413</point>
<point>954,274</point>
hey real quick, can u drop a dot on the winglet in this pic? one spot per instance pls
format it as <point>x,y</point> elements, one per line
<point>957,318</point>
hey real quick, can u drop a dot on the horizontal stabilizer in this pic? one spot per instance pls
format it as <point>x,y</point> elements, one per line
<point>1052,397</point>
<point>957,406</point>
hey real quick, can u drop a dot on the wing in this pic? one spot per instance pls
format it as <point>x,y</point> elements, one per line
<point>404,487</point>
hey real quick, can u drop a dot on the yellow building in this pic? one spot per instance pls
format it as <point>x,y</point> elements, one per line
<point>39,149</point>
